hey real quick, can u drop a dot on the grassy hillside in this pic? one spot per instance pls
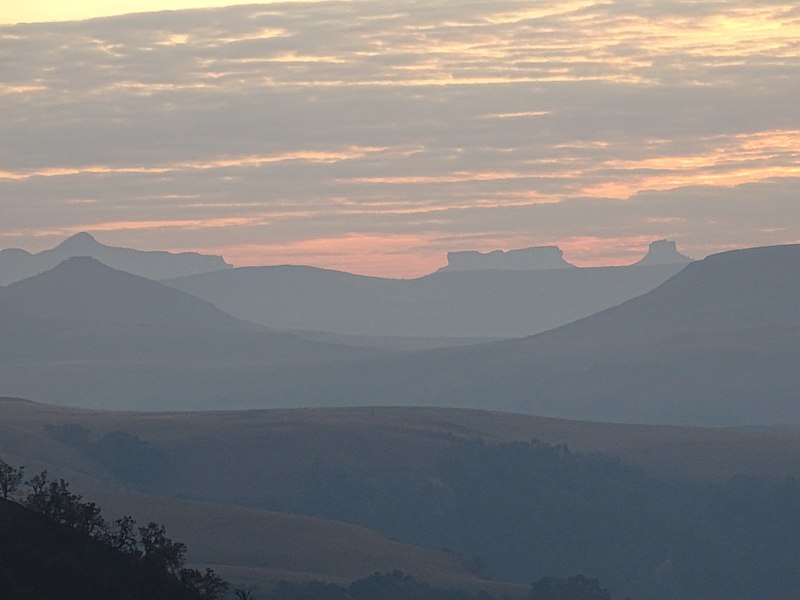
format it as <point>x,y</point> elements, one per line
<point>421,476</point>
<point>253,546</point>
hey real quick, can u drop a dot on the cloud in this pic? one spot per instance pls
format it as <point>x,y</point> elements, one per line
<point>435,124</point>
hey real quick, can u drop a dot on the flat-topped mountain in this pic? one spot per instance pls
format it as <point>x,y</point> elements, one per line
<point>16,264</point>
<point>663,252</point>
<point>522,259</point>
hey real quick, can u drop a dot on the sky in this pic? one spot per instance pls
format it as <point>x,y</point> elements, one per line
<point>375,136</point>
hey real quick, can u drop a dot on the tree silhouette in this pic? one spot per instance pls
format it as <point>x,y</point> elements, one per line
<point>208,585</point>
<point>54,500</point>
<point>157,560</point>
<point>160,552</point>
<point>242,593</point>
<point>10,478</point>
<point>122,536</point>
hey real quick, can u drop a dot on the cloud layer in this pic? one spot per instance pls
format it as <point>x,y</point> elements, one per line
<point>376,135</point>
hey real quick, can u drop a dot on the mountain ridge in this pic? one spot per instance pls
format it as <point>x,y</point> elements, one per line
<point>17,264</point>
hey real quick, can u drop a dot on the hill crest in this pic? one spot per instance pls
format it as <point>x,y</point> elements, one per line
<point>83,289</point>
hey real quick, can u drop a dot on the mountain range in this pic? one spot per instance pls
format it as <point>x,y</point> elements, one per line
<point>16,264</point>
<point>89,334</point>
<point>715,344</point>
<point>490,299</point>
<point>476,297</point>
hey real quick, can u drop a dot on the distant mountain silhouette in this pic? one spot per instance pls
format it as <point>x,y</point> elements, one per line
<point>523,259</point>
<point>491,303</point>
<point>16,264</point>
<point>719,343</point>
<point>83,289</point>
<point>85,333</point>
<point>663,252</point>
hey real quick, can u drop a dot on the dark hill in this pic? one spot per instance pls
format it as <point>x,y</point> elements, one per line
<point>87,334</point>
<point>85,290</point>
<point>43,559</point>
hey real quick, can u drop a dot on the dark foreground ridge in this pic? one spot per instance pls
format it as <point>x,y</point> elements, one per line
<point>57,546</point>
<point>40,558</point>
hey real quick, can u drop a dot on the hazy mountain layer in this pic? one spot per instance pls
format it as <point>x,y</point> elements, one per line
<point>16,264</point>
<point>716,344</point>
<point>483,303</point>
<point>88,334</point>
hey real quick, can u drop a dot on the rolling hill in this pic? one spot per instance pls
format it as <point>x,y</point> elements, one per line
<point>314,493</point>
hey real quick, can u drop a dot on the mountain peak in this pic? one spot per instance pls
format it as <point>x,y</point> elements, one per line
<point>79,241</point>
<point>663,252</point>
